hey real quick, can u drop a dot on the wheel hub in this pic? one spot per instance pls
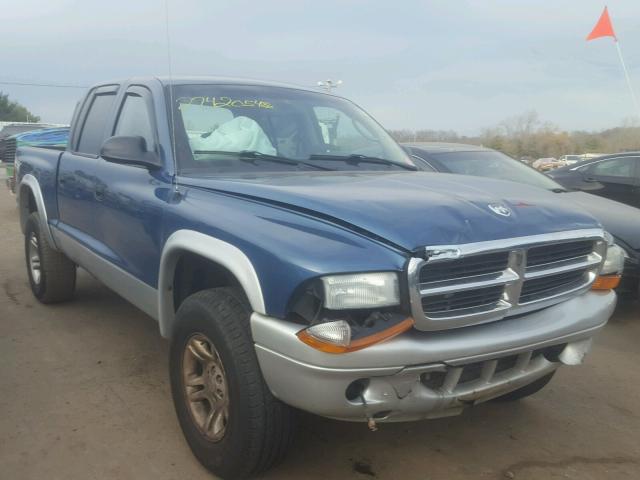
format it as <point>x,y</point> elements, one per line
<point>205,385</point>
<point>34,259</point>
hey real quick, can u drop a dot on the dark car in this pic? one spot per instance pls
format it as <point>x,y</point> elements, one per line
<point>11,129</point>
<point>622,221</point>
<point>614,176</point>
<point>53,138</point>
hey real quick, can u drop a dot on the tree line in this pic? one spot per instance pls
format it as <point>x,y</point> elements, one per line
<point>11,111</point>
<point>526,137</point>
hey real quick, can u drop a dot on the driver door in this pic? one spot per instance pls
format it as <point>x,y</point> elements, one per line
<point>129,201</point>
<point>614,178</point>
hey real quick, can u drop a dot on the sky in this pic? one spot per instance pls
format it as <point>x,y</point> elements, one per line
<point>445,65</point>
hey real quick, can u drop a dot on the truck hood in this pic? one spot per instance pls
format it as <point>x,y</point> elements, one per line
<point>411,209</point>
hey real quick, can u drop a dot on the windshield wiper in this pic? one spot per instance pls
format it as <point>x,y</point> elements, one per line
<point>251,156</point>
<point>356,159</point>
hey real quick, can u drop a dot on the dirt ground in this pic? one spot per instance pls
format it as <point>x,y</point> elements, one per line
<point>84,394</point>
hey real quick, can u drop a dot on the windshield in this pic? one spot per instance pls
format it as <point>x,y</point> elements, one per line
<point>225,128</point>
<point>494,165</point>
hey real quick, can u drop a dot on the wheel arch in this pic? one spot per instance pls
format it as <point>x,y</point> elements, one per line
<point>29,200</point>
<point>219,253</point>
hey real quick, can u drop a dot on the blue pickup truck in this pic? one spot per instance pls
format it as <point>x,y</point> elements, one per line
<point>296,259</point>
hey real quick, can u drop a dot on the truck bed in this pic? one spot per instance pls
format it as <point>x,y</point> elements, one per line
<point>42,163</point>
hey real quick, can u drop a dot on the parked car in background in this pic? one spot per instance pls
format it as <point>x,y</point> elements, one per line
<point>535,163</point>
<point>571,159</point>
<point>295,257</point>
<point>53,138</point>
<point>622,221</point>
<point>7,129</point>
<point>615,176</point>
<point>545,164</point>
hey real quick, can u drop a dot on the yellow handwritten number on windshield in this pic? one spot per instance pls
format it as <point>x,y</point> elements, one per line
<point>225,102</point>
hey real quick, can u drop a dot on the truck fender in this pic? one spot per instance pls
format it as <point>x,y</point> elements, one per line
<point>211,248</point>
<point>29,182</point>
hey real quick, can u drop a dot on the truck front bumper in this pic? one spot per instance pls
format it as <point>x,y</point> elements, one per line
<point>427,374</point>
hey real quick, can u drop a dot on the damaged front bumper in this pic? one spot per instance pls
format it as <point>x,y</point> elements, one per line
<point>427,374</point>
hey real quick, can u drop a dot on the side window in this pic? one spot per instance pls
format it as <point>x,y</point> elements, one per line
<point>134,120</point>
<point>94,129</point>
<point>617,167</point>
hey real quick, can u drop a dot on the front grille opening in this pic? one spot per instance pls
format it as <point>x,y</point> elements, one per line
<point>482,297</point>
<point>539,288</point>
<point>433,380</point>
<point>545,254</point>
<point>506,363</point>
<point>472,372</point>
<point>464,267</point>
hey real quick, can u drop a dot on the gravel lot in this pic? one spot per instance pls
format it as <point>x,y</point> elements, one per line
<point>84,394</point>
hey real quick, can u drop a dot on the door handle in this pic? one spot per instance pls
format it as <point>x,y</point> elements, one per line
<point>590,179</point>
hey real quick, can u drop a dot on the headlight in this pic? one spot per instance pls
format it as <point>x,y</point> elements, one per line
<point>361,290</point>
<point>614,261</point>
<point>611,270</point>
<point>351,312</point>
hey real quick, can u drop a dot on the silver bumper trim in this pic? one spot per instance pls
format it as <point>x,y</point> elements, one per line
<point>317,382</point>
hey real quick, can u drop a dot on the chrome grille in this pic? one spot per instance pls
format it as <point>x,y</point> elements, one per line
<point>9,151</point>
<point>468,284</point>
<point>466,267</point>
<point>543,255</point>
<point>543,287</point>
<point>488,296</point>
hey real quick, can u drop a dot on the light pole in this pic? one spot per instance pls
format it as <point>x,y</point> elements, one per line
<point>329,84</point>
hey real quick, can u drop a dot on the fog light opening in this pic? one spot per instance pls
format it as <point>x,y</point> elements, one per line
<point>355,390</point>
<point>552,354</point>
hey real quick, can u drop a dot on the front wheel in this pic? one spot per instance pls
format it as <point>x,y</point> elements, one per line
<point>232,422</point>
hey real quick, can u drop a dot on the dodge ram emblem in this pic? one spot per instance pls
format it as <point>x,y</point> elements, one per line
<point>500,209</point>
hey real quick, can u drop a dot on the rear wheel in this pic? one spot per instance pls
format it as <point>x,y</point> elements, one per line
<point>52,275</point>
<point>232,422</point>
<point>527,390</point>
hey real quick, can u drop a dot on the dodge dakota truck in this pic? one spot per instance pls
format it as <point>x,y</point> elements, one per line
<point>296,259</point>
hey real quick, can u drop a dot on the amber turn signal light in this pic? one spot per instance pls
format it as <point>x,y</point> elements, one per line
<point>323,343</point>
<point>606,282</point>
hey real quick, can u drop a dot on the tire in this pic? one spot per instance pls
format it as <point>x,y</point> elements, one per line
<point>258,428</point>
<point>52,275</point>
<point>527,390</point>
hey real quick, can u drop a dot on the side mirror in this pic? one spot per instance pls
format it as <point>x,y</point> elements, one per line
<point>129,151</point>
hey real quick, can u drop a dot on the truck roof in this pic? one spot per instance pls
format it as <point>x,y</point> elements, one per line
<point>213,80</point>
